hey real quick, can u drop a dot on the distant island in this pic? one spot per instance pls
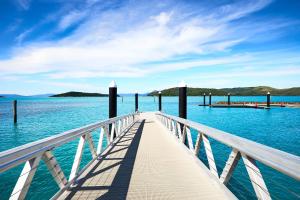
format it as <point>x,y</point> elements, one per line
<point>79,94</point>
<point>238,91</point>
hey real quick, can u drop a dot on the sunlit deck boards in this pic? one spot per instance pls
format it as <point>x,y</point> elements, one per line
<point>147,163</point>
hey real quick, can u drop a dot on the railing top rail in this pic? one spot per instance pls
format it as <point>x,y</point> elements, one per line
<point>15,156</point>
<point>283,162</point>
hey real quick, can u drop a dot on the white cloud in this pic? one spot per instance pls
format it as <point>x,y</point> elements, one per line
<point>23,35</point>
<point>241,9</point>
<point>72,18</point>
<point>263,73</point>
<point>163,18</point>
<point>121,42</point>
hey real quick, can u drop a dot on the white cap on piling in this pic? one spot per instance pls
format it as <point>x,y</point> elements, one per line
<point>136,92</point>
<point>268,93</point>
<point>113,84</point>
<point>203,93</point>
<point>210,93</point>
<point>182,84</point>
<point>229,93</point>
<point>159,92</point>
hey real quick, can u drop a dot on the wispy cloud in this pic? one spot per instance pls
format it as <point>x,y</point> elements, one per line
<point>72,18</point>
<point>125,40</point>
<point>286,71</point>
<point>19,39</point>
<point>127,36</point>
<point>24,4</point>
<point>240,9</point>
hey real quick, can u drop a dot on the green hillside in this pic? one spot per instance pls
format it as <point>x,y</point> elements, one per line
<point>239,91</point>
<point>79,94</point>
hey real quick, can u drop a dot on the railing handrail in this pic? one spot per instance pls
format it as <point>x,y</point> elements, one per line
<point>15,156</point>
<point>281,161</point>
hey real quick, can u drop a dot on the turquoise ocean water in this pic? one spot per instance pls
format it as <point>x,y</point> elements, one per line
<point>42,117</point>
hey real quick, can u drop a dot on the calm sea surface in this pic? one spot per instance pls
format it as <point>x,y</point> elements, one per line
<point>42,117</point>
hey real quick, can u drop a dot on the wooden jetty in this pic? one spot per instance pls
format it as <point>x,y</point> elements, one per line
<point>144,163</point>
<point>234,105</point>
<point>251,105</point>
<point>147,159</point>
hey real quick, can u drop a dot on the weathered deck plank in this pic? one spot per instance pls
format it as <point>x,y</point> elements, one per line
<point>147,163</point>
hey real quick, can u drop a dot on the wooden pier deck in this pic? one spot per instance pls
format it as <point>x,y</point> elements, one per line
<point>147,162</point>
<point>147,156</point>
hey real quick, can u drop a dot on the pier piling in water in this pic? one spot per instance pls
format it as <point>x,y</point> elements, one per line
<point>15,111</point>
<point>228,100</point>
<point>159,101</point>
<point>136,102</point>
<point>112,102</point>
<point>209,99</point>
<point>268,99</point>
<point>182,100</point>
<point>204,99</point>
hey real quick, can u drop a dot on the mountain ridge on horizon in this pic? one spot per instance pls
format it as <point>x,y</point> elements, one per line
<point>192,91</point>
<point>235,91</point>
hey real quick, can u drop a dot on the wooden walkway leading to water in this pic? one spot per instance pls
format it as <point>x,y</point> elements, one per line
<point>147,156</point>
<point>147,162</point>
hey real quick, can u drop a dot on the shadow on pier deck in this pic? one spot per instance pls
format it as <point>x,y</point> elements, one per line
<point>147,163</point>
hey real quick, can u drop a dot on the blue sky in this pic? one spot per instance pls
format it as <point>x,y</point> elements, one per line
<point>52,46</point>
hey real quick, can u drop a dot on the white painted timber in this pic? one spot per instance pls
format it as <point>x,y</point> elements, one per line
<point>21,154</point>
<point>179,131</point>
<point>183,138</point>
<point>210,156</point>
<point>230,165</point>
<point>256,178</point>
<point>283,162</point>
<point>198,143</point>
<point>24,181</point>
<point>100,141</point>
<point>189,138</point>
<point>112,132</point>
<point>91,145</point>
<point>55,169</point>
<point>107,133</point>
<point>77,159</point>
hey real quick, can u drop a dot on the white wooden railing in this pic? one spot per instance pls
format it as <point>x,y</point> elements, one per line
<point>32,153</point>
<point>248,150</point>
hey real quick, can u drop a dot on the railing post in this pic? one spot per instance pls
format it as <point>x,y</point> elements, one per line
<point>210,156</point>
<point>230,165</point>
<point>24,181</point>
<point>99,147</point>
<point>268,99</point>
<point>256,178</point>
<point>204,97</point>
<point>209,99</point>
<point>198,143</point>
<point>112,103</point>
<point>189,138</point>
<point>54,169</point>
<point>89,139</point>
<point>136,102</point>
<point>77,159</point>
<point>159,101</point>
